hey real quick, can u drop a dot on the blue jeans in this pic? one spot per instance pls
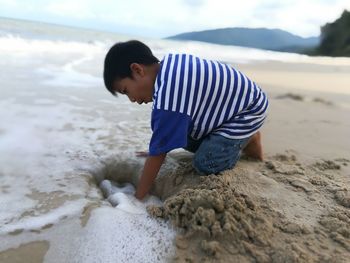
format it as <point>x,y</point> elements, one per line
<point>215,153</point>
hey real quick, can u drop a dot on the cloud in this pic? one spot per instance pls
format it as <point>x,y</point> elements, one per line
<point>7,3</point>
<point>157,18</point>
<point>194,3</point>
<point>75,9</point>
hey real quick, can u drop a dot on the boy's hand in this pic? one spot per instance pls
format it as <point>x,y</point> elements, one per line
<point>150,171</point>
<point>141,154</point>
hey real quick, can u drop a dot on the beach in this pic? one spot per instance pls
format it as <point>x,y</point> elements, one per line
<point>68,166</point>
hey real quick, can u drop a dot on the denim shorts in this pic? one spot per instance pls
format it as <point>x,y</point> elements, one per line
<point>215,153</point>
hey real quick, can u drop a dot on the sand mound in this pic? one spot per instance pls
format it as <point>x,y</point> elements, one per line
<point>278,211</point>
<point>214,210</point>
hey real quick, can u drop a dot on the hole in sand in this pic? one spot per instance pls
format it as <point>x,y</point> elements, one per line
<point>117,180</point>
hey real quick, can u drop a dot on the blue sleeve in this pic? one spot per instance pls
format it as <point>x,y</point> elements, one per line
<point>170,131</point>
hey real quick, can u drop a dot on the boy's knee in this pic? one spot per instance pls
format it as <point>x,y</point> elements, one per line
<point>217,154</point>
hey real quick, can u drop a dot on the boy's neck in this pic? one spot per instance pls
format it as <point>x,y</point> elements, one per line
<point>154,68</point>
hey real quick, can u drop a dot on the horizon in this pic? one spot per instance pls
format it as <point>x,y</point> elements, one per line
<point>116,32</point>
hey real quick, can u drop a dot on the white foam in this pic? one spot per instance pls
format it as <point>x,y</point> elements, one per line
<point>38,221</point>
<point>44,101</point>
<point>109,188</point>
<point>33,159</point>
<point>112,235</point>
<point>19,46</point>
<point>122,197</point>
<point>66,76</point>
<point>126,203</point>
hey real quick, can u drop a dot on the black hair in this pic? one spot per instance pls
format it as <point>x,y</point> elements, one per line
<point>121,56</point>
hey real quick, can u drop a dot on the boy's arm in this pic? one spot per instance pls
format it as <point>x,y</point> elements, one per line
<point>150,171</point>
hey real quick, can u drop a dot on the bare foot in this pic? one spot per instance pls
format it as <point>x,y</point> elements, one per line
<point>254,148</point>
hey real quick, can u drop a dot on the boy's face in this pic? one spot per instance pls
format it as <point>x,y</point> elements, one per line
<point>139,88</point>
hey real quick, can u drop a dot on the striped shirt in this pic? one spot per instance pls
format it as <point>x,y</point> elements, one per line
<point>195,97</point>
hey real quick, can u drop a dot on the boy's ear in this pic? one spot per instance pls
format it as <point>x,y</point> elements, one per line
<point>137,69</point>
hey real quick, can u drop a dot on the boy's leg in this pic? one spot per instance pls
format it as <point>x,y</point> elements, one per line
<point>217,153</point>
<point>254,148</point>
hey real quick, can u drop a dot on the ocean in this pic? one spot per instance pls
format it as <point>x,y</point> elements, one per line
<point>63,137</point>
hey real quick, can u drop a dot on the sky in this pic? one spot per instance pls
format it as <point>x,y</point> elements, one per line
<point>161,18</point>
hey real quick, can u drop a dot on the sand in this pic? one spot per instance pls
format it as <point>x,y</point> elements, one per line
<point>280,210</point>
<point>293,207</point>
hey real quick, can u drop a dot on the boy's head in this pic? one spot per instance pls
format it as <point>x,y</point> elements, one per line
<point>130,68</point>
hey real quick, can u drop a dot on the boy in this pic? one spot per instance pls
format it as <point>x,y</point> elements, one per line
<point>206,107</point>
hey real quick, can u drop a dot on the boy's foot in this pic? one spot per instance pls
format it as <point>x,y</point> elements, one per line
<point>254,148</point>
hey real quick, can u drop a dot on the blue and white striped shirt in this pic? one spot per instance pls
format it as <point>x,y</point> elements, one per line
<point>195,97</point>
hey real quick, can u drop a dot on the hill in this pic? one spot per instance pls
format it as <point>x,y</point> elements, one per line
<point>263,38</point>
